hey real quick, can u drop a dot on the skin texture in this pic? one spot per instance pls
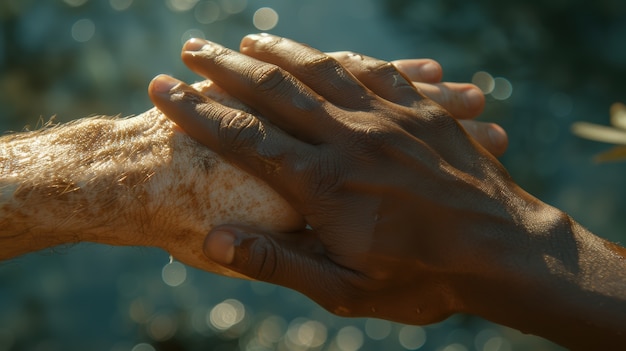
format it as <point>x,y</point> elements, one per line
<point>141,181</point>
<point>408,217</point>
<point>138,181</point>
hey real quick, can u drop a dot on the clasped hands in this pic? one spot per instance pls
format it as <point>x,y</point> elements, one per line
<point>398,199</point>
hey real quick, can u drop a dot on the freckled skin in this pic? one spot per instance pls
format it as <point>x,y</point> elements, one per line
<point>134,181</point>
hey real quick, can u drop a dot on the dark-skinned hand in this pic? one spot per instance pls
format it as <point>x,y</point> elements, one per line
<point>366,159</point>
<point>408,217</point>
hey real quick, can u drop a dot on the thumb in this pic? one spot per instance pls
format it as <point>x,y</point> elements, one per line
<point>296,262</point>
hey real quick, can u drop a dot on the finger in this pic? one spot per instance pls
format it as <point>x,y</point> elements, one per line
<point>270,90</point>
<point>254,145</point>
<point>462,100</point>
<point>266,257</point>
<point>319,71</point>
<point>381,77</point>
<point>489,135</point>
<point>420,70</point>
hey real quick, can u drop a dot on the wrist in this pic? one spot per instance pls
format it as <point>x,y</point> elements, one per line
<point>509,257</point>
<point>552,278</point>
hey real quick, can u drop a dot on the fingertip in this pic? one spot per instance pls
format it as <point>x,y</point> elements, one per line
<point>163,85</point>
<point>474,100</point>
<point>178,102</point>
<point>194,44</point>
<point>420,70</point>
<point>219,246</point>
<point>199,54</point>
<point>248,42</point>
<point>167,93</point>
<point>499,139</point>
<point>432,71</point>
<point>490,136</point>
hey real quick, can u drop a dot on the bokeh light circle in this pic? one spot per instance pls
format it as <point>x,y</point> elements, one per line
<point>306,333</point>
<point>143,347</point>
<point>174,274</point>
<point>502,88</point>
<point>412,337</point>
<point>484,81</point>
<point>272,329</point>
<point>265,18</point>
<point>181,5</point>
<point>233,6</point>
<point>377,329</point>
<point>207,12</point>
<point>83,30</point>
<point>226,314</point>
<point>192,33</point>
<point>162,327</point>
<point>455,347</point>
<point>120,5</point>
<point>349,338</point>
<point>75,3</point>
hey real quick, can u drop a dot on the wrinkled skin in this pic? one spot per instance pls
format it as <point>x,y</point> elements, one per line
<point>410,219</point>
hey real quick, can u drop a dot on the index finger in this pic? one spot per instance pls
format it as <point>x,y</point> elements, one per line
<point>242,138</point>
<point>270,90</point>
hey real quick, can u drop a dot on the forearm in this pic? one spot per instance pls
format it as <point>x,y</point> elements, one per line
<point>136,181</point>
<point>561,282</point>
<point>77,182</point>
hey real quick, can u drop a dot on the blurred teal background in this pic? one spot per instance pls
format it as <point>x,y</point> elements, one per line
<point>555,62</point>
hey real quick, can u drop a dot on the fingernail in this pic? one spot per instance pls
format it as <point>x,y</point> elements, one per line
<point>194,44</point>
<point>195,47</point>
<point>219,246</point>
<point>163,84</point>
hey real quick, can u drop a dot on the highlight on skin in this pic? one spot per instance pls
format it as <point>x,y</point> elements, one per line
<point>127,181</point>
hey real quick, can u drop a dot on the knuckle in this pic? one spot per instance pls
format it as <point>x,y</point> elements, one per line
<point>271,43</point>
<point>239,130</point>
<point>265,260</point>
<point>268,77</point>
<point>382,68</point>
<point>344,57</point>
<point>353,54</point>
<point>428,115</point>
<point>321,61</point>
<point>389,71</point>
<point>371,138</point>
<point>320,65</point>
